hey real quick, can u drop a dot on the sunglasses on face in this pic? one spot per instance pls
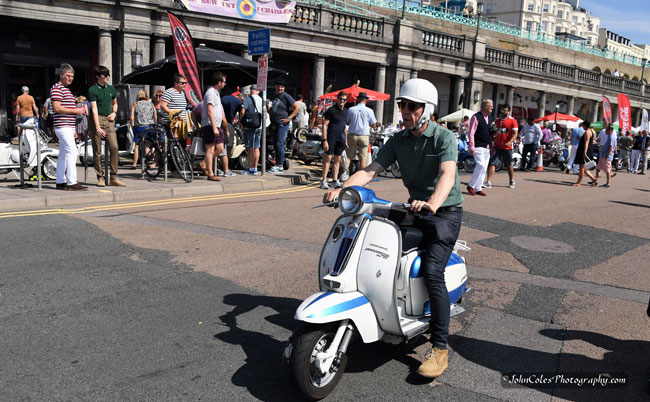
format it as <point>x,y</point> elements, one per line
<point>343,99</point>
<point>182,83</point>
<point>157,96</point>
<point>105,75</point>
<point>410,105</point>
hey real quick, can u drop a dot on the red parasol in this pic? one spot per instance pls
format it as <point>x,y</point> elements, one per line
<point>353,92</point>
<point>557,117</point>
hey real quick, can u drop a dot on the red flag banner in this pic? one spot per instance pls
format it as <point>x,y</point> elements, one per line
<point>624,113</point>
<point>186,59</point>
<point>607,112</point>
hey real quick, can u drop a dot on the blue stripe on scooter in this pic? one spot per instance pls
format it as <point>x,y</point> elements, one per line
<point>317,299</point>
<point>338,308</point>
<point>456,294</point>
<point>454,259</point>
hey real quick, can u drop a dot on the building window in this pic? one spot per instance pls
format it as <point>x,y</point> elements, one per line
<point>553,10</point>
<point>559,14</point>
<point>530,6</point>
<point>544,26</point>
<point>545,8</point>
<point>488,8</point>
<point>558,29</point>
<point>589,41</point>
<point>529,26</point>
<point>575,20</point>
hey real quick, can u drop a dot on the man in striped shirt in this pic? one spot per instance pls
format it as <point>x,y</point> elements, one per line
<point>173,99</point>
<point>65,114</point>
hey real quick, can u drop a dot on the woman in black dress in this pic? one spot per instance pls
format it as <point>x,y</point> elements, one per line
<point>585,151</point>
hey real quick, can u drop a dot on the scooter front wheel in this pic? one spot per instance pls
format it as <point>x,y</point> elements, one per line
<point>300,361</point>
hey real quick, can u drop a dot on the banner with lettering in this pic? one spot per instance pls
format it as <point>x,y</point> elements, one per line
<point>644,121</point>
<point>186,59</point>
<point>270,11</point>
<point>624,113</point>
<point>607,112</point>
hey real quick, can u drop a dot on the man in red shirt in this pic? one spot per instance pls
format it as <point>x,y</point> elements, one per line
<point>507,132</point>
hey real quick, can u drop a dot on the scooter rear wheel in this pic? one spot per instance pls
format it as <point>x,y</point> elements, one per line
<point>49,167</point>
<point>300,356</point>
<point>469,164</point>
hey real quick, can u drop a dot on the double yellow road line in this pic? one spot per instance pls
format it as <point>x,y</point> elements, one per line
<point>154,203</point>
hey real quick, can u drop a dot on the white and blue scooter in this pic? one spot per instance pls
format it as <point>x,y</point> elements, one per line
<point>371,285</point>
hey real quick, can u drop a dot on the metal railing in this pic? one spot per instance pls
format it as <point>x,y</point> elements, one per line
<point>343,7</point>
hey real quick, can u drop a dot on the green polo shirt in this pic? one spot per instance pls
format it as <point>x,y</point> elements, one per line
<point>419,160</point>
<point>104,97</point>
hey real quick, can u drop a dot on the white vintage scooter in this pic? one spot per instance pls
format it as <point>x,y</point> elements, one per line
<point>371,285</point>
<point>10,156</point>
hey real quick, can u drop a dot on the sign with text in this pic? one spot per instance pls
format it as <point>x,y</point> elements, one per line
<point>262,70</point>
<point>252,10</point>
<point>624,113</point>
<point>259,42</point>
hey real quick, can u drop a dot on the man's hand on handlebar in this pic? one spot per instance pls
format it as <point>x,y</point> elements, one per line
<point>417,206</point>
<point>331,195</point>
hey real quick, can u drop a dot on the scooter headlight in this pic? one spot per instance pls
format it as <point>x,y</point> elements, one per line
<point>350,201</point>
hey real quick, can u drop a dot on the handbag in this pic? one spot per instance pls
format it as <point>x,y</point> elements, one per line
<point>252,120</point>
<point>590,164</point>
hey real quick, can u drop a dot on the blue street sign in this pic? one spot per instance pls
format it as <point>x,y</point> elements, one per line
<point>259,42</point>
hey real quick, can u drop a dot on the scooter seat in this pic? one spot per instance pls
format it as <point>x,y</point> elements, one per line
<point>411,238</point>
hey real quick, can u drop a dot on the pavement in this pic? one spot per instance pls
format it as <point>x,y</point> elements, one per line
<point>137,188</point>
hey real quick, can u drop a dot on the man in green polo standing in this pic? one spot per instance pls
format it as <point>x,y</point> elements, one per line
<point>427,155</point>
<point>103,101</point>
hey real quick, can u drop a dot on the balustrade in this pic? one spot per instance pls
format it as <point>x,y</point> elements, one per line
<point>499,56</point>
<point>443,41</point>
<point>562,70</point>
<point>350,23</point>
<point>633,86</point>
<point>532,63</point>
<point>589,77</point>
<point>612,82</point>
<point>306,15</point>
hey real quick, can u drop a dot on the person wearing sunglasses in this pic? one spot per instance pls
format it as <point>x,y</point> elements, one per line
<point>508,130</point>
<point>334,139</point>
<point>103,102</point>
<point>427,154</point>
<point>173,99</point>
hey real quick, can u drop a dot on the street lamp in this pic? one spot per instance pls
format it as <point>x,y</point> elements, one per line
<point>136,58</point>
<point>643,61</point>
<point>468,91</point>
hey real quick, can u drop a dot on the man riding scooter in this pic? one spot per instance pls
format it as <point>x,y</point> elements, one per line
<point>427,155</point>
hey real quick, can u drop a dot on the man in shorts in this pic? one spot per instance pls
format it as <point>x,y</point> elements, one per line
<point>607,142</point>
<point>507,132</point>
<point>334,138</point>
<point>360,119</point>
<point>211,121</point>
<point>252,135</point>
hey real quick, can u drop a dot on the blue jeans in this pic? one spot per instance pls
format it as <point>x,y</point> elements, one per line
<point>252,137</point>
<point>440,233</point>
<point>280,138</point>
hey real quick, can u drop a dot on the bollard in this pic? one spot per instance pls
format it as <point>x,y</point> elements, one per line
<point>141,145</point>
<point>165,165</point>
<point>21,164</point>
<point>86,158</point>
<point>106,162</point>
<point>38,157</point>
<point>540,162</point>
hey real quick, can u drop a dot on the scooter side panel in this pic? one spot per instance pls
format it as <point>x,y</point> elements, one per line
<point>325,307</point>
<point>377,271</point>
<point>345,227</point>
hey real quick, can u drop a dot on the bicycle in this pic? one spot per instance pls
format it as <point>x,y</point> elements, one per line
<point>152,146</point>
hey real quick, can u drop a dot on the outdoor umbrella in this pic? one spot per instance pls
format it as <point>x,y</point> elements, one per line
<point>559,117</point>
<point>353,92</point>
<point>239,71</point>
<point>457,116</point>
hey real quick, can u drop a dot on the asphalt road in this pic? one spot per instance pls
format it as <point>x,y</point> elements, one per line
<point>194,301</point>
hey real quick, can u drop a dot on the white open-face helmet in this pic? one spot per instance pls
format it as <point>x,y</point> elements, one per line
<point>420,91</point>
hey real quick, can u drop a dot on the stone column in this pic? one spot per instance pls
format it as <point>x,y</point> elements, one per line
<point>593,115</point>
<point>541,104</point>
<point>380,86</point>
<point>105,50</point>
<point>319,77</point>
<point>637,117</point>
<point>571,106</point>
<point>157,53</point>
<point>614,112</point>
<point>510,96</point>
<point>244,54</point>
<point>401,75</point>
<point>475,101</point>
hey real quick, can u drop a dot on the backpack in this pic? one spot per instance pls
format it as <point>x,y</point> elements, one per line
<point>252,119</point>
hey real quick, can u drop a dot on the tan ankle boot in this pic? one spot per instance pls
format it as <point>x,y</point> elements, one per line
<point>116,182</point>
<point>435,364</point>
<point>100,182</point>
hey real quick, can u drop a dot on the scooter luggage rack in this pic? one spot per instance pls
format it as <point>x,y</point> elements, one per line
<point>461,245</point>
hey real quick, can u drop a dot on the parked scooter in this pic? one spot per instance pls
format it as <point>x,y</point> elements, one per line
<point>125,143</point>
<point>465,160</point>
<point>10,155</point>
<point>371,285</point>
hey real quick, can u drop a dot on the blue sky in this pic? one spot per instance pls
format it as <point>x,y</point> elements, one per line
<point>629,18</point>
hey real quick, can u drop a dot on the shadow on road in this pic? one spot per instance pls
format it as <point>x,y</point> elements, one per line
<point>556,182</point>
<point>629,357</point>
<point>631,204</point>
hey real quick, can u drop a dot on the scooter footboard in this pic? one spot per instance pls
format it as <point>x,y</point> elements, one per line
<point>324,307</point>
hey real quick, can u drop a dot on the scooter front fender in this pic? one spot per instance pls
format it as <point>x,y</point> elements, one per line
<point>325,307</point>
